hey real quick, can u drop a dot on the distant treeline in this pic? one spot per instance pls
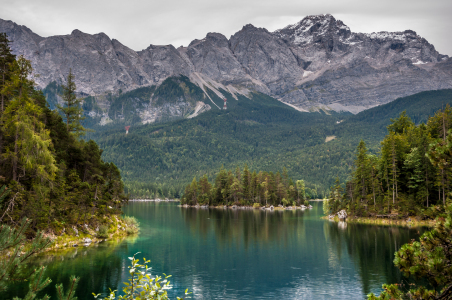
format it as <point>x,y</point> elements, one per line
<point>412,175</point>
<point>247,188</point>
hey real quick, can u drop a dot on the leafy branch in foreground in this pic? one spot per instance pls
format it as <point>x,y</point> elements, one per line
<point>429,258</point>
<point>141,286</point>
<point>15,256</point>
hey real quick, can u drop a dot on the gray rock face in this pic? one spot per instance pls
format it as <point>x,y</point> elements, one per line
<point>266,58</point>
<point>354,71</point>
<point>212,57</point>
<point>317,63</point>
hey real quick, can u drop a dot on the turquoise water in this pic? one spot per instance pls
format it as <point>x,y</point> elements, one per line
<point>246,254</point>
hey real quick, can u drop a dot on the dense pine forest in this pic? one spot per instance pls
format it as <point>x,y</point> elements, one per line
<point>247,188</point>
<point>47,172</point>
<point>411,175</point>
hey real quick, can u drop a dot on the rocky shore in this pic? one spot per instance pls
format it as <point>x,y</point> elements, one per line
<point>244,207</point>
<point>155,200</point>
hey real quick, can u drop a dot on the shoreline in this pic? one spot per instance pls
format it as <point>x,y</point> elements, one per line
<point>244,207</point>
<point>86,238</point>
<point>385,222</point>
<point>155,200</point>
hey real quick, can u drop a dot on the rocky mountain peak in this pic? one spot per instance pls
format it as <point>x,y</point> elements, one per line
<point>216,38</point>
<point>313,29</point>
<point>77,32</point>
<point>250,28</point>
<point>316,63</point>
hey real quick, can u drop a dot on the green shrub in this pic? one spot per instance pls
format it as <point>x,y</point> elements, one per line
<point>133,226</point>
<point>284,202</point>
<point>141,285</point>
<point>326,207</point>
<point>306,202</point>
<point>103,232</point>
<point>256,205</point>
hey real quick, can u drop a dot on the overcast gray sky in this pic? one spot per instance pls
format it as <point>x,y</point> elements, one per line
<point>139,23</point>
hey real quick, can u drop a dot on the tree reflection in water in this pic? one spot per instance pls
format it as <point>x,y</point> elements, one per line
<point>237,226</point>
<point>371,248</point>
<point>99,268</point>
<point>246,254</point>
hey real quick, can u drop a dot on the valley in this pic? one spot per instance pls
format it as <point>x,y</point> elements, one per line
<point>265,121</point>
<point>262,133</point>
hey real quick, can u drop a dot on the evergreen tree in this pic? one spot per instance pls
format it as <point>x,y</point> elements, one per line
<point>301,190</point>
<point>24,123</point>
<point>71,108</point>
<point>12,267</point>
<point>429,258</point>
<point>361,171</point>
<point>6,60</point>
<point>52,177</point>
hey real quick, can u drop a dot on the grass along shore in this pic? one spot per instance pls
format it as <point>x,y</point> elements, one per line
<point>117,229</point>
<point>409,222</point>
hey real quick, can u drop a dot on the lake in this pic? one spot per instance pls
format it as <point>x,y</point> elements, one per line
<point>246,254</point>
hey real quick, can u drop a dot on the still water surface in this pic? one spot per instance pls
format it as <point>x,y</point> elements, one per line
<point>240,254</point>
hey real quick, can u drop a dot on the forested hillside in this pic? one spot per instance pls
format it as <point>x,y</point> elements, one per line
<point>410,176</point>
<point>47,173</point>
<point>160,159</point>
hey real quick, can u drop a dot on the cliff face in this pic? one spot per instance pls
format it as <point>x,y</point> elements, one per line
<point>316,63</point>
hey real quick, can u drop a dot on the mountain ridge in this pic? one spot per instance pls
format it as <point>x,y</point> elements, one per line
<point>316,63</point>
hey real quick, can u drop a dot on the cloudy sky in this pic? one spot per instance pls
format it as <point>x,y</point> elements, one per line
<point>138,23</point>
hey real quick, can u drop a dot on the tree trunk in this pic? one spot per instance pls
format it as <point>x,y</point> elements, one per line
<point>442,181</point>
<point>426,180</point>
<point>15,155</point>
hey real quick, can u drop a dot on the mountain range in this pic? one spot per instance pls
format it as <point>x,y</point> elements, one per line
<point>315,64</point>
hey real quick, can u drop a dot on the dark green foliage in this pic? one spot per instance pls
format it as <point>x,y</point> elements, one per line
<point>174,89</point>
<point>125,106</point>
<point>411,174</point>
<point>133,226</point>
<point>16,254</point>
<point>69,295</point>
<point>243,188</point>
<point>53,178</point>
<point>160,159</point>
<point>52,92</point>
<point>373,122</point>
<point>13,263</point>
<point>166,156</point>
<point>429,258</point>
<point>71,110</point>
<point>103,232</point>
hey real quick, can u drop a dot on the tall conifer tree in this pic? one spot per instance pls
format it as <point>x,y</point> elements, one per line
<point>71,109</point>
